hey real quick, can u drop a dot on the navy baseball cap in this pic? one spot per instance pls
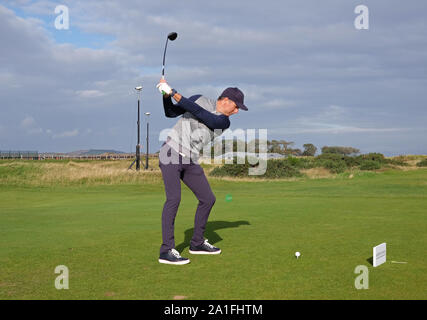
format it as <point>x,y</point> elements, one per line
<point>235,95</point>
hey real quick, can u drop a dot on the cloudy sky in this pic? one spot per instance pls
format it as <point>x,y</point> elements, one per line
<point>308,74</point>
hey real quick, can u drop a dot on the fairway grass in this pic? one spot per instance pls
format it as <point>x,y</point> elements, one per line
<point>109,235</point>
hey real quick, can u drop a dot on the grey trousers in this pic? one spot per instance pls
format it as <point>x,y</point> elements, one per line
<point>193,176</point>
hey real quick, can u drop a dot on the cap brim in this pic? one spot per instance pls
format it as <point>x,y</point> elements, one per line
<point>241,106</point>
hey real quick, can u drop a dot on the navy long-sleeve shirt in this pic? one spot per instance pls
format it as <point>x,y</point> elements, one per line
<point>210,119</point>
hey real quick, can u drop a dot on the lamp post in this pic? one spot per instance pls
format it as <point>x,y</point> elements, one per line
<point>147,150</point>
<point>138,146</point>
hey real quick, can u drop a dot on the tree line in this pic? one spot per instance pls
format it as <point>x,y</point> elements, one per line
<point>279,146</point>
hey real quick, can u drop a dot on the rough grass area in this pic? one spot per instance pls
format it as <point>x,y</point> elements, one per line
<point>308,167</point>
<point>75,172</point>
<point>109,172</point>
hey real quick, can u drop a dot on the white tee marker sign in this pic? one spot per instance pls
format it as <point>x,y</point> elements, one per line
<point>379,255</point>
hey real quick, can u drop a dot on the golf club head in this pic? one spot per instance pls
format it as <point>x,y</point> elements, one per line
<point>172,36</point>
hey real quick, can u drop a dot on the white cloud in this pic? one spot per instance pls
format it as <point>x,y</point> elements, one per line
<point>66,134</point>
<point>334,129</point>
<point>30,126</point>
<point>90,93</point>
<point>331,117</point>
<point>278,104</point>
<point>206,90</point>
<point>35,131</point>
<point>334,112</point>
<point>42,7</point>
<point>9,80</point>
<point>309,68</point>
<point>28,122</point>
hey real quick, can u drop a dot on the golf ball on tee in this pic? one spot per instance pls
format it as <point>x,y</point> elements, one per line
<point>297,254</point>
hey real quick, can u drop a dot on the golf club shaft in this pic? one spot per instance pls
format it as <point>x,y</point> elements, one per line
<point>164,57</point>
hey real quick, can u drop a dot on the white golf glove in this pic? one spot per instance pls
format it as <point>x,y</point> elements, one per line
<point>164,88</point>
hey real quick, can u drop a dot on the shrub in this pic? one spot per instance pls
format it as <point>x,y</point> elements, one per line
<point>374,157</point>
<point>397,162</point>
<point>333,166</point>
<point>422,163</point>
<point>335,163</point>
<point>300,163</point>
<point>293,161</point>
<point>351,161</point>
<point>370,165</point>
<point>290,166</point>
<point>340,150</point>
<point>231,170</point>
<point>280,168</point>
<point>330,156</point>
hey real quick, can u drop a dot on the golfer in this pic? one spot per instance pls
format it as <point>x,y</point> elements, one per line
<point>201,120</point>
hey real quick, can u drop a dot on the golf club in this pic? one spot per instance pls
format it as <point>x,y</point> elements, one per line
<point>171,36</point>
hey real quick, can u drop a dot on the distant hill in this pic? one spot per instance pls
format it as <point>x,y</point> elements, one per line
<point>92,152</point>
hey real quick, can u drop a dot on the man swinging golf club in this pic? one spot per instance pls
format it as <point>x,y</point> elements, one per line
<point>202,120</point>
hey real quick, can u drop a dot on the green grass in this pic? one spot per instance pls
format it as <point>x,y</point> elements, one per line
<point>109,237</point>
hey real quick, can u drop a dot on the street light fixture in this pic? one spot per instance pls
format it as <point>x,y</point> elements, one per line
<point>147,150</point>
<point>138,146</point>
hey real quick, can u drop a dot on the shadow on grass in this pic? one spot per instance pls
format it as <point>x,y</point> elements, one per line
<point>371,260</point>
<point>210,233</point>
